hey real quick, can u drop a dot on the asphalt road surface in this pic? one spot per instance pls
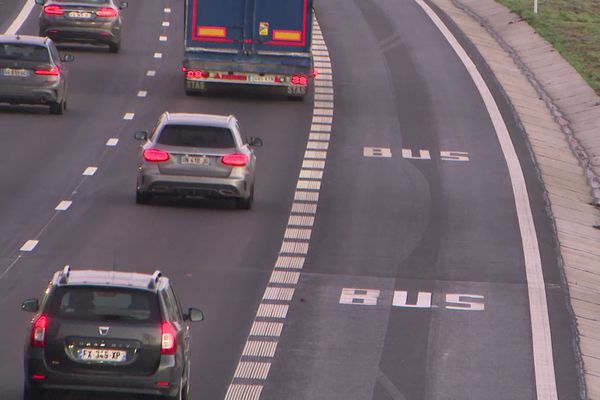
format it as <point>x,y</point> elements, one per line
<point>414,286</point>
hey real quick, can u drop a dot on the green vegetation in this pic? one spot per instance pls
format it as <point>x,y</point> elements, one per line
<point>572,27</point>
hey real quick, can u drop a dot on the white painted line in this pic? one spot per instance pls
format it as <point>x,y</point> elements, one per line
<point>320,127</point>
<point>322,52</point>
<point>314,164</point>
<point>301,220</point>
<point>289,262</point>
<point>324,83</point>
<point>90,171</point>
<point>128,116</point>
<point>323,111</point>
<point>29,245</point>
<point>151,73</point>
<point>293,248</point>
<point>543,358</point>
<point>423,154</point>
<point>321,64</point>
<point>112,142</point>
<point>312,173</point>
<point>142,93</point>
<point>322,104</point>
<point>317,145</point>
<point>284,277</point>
<point>260,348</point>
<point>306,196</point>
<point>308,185</point>
<point>319,136</point>
<point>304,208</point>
<point>167,10</point>
<point>324,70</point>
<point>319,47</point>
<point>157,55</point>
<point>243,392</point>
<point>377,152</point>
<point>323,97</point>
<point>278,293</point>
<point>279,311</point>
<point>166,24</point>
<point>162,38</point>
<point>317,155</point>
<point>269,329</point>
<point>23,15</point>
<point>322,120</point>
<point>63,205</point>
<point>252,370</point>
<point>297,233</point>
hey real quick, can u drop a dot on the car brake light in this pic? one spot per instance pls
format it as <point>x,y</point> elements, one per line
<point>235,159</point>
<point>300,80</point>
<point>53,10</point>
<point>52,71</point>
<point>38,332</point>
<point>168,338</point>
<point>106,12</point>
<point>155,155</point>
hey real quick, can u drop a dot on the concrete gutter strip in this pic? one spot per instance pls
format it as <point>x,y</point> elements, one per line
<point>560,115</point>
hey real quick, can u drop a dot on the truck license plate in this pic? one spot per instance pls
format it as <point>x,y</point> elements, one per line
<point>262,79</point>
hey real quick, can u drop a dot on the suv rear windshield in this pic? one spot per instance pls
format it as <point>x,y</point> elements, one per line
<point>196,136</point>
<point>25,52</point>
<point>93,303</point>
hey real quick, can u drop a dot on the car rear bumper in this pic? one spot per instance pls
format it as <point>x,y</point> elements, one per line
<point>82,34</point>
<point>167,371</point>
<point>30,96</point>
<point>176,185</point>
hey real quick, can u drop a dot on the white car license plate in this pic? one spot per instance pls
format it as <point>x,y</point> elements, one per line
<point>80,14</point>
<point>102,355</point>
<point>21,73</point>
<point>195,160</point>
<point>262,79</point>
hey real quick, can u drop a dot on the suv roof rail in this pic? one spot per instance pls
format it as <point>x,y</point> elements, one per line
<point>64,274</point>
<point>154,279</point>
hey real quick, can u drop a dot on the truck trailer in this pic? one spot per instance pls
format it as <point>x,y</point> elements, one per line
<point>248,42</point>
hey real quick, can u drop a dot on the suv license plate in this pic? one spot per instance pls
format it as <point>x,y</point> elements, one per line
<point>195,160</point>
<point>102,355</point>
<point>21,73</point>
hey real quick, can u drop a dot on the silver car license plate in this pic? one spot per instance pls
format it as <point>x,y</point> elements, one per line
<point>80,14</point>
<point>18,72</point>
<point>102,355</point>
<point>195,160</point>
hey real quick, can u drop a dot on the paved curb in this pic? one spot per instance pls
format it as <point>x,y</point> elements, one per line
<point>560,114</point>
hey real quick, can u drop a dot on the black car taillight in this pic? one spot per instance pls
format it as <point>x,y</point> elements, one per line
<point>38,331</point>
<point>168,338</point>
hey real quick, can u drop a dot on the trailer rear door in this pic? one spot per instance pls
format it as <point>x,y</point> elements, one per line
<point>282,28</point>
<point>216,24</point>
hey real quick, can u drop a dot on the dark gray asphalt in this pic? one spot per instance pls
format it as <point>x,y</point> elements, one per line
<point>387,224</point>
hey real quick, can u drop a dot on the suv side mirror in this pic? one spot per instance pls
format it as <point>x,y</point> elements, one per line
<point>141,135</point>
<point>255,142</point>
<point>123,5</point>
<point>30,305</point>
<point>194,315</point>
<point>67,58</point>
<point>40,2</point>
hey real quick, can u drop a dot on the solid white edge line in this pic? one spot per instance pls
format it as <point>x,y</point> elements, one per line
<point>543,359</point>
<point>20,20</point>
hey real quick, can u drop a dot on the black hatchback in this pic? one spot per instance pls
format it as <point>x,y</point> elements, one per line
<point>82,21</point>
<point>111,332</point>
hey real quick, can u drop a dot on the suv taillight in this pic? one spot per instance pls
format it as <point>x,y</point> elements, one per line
<point>155,155</point>
<point>53,10</point>
<point>168,338</point>
<point>52,71</point>
<point>235,159</point>
<point>38,331</point>
<point>107,12</point>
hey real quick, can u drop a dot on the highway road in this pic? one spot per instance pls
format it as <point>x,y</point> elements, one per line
<point>414,285</point>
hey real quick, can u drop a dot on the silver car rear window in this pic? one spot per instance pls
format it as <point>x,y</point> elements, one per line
<point>196,136</point>
<point>24,52</point>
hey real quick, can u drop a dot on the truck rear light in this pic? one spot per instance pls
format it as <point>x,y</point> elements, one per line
<point>195,73</point>
<point>300,80</point>
<point>38,377</point>
<point>168,338</point>
<point>162,384</point>
<point>38,331</point>
<point>155,155</point>
<point>52,71</point>
<point>53,10</point>
<point>314,73</point>
<point>106,12</point>
<point>235,159</point>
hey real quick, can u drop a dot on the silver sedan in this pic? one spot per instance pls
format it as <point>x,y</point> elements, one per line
<point>197,155</point>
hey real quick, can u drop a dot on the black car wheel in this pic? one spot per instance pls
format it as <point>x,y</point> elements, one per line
<point>142,198</point>
<point>245,203</point>
<point>114,47</point>
<point>58,108</point>
<point>30,393</point>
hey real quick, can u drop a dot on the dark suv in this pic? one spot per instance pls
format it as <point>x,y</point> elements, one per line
<point>105,331</point>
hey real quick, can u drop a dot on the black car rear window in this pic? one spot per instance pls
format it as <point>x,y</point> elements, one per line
<point>196,136</point>
<point>25,52</point>
<point>93,303</point>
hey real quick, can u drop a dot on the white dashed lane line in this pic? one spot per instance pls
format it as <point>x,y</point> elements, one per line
<point>90,171</point>
<point>166,24</point>
<point>128,116</point>
<point>151,73</point>
<point>142,93</point>
<point>162,38</point>
<point>112,142</point>
<point>157,55</point>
